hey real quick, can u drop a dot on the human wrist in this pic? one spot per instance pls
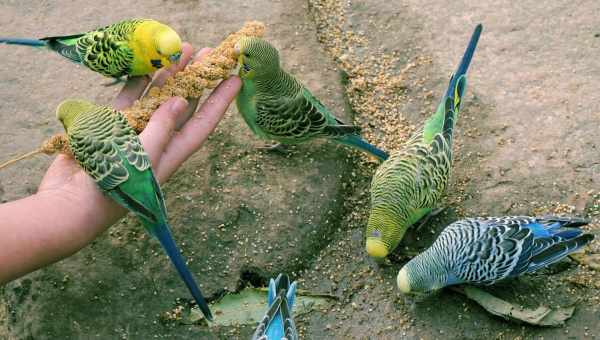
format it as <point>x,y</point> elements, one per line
<point>84,211</point>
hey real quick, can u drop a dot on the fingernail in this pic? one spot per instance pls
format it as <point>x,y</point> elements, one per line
<point>179,104</point>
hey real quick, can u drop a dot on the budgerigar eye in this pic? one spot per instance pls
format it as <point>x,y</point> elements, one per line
<point>246,67</point>
<point>175,57</point>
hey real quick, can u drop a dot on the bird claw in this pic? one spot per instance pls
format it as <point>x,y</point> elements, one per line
<point>115,81</point>
<point>278,147</point>
<point>423,221</point>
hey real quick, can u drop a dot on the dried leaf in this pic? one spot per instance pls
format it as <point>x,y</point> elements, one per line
<point>541,316</point>
<point>250,305</point>
<point>590,260</point>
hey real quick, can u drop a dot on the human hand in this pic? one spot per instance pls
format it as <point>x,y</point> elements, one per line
<point>69,210</point>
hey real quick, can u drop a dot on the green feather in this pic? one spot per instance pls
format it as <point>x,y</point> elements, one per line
<point>407,186</point>
<point>276,106</point>
<point>108,149</point>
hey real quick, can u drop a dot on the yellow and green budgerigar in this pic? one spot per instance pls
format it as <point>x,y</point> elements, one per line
<point>276,106</point>
<point>134,47</point>
<point>108,149</point>
<point>407,186</point>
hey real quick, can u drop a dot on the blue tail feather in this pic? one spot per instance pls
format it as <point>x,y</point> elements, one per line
<point>166,240</point>
<point>568,233</point>
<point>22,41</point>
<point>465,61</point>
<point>556,226</point>
<point>278,322</point>
<point>359,143</point>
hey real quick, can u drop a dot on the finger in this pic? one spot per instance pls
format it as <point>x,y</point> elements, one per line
<point>162,75</point>
<point>201,54</point>
<point>192,102</point>
<point>158,132</point>
<point>196,131</point>
<point>133,89</point>
<point>185,116</point>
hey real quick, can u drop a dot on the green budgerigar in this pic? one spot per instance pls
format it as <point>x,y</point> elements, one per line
<point>133,47</point>
<point>108,149</point>
<point>409,184</point>
<point>276,106</point>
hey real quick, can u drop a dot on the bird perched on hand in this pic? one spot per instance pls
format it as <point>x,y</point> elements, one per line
<point>486,250</point>
<point>278,323</point>
<point>108,149</point>
<point>133,47</point>
<point>276,106</point>
<point>407,186</point>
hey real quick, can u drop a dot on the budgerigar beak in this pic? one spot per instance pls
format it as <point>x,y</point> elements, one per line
<point>174,58</point>
<point>237,50</point>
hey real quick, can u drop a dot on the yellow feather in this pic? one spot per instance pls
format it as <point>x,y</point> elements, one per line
<point>71,108</point>
<point>150,42</point>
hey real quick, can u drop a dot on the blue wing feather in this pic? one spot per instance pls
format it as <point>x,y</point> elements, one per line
<point>278,322</point>
<point>553,239</point>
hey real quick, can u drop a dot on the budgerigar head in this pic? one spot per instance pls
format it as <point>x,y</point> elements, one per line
<point>384,232</point>
<point>257,58</point>
<point>421,276</point>
<point>69,109</point>
<point>168,42</point>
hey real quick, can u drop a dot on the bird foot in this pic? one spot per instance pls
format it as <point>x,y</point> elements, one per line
<point>115,81</point>
<point>278,147</point>
<point>423,221</point>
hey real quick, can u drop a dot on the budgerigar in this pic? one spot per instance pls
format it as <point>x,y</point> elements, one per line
<point>109,151</point>
<point>276,106</point>
<point>133,47</point>
<point>278,323</point>
<point>407,186</point>
<point>486,250</point>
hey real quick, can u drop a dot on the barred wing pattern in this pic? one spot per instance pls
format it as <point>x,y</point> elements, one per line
<point>298,116</point>
<point>106,50</point>
<point>101,141</point>
<point>486,250</point>
<point>413,178</point>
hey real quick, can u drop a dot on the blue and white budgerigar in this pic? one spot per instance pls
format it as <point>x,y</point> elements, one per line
<point>486,250</point>
<point>278,322</point>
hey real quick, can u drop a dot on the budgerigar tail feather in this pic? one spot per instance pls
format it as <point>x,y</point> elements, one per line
<point>557,251</point>
<point>278,322</point>
<point>341,130</point>
<point>24,42</point>
<point>65,46</point>
<point>566,222</point>
<point>458,85</point>
<point>462,68</point>
<point>361,144</point>
<point>166,240</point>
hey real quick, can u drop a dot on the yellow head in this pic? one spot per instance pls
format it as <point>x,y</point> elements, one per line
<point>167,42</point>
<point>257,58</point>
<point>69,109</point>
<point>384,231</point>
<point>154,46</point>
